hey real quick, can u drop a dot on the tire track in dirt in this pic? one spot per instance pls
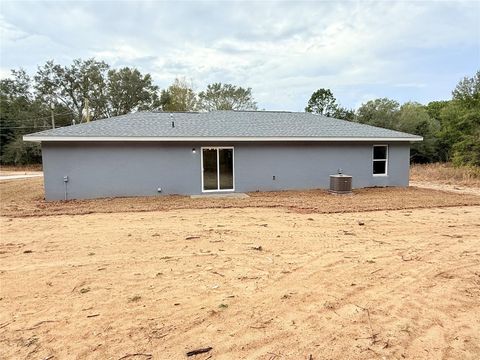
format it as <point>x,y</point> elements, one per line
<point>304,293</point>
<point>354,297</point>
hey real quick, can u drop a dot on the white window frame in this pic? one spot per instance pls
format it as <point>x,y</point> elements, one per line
<point>386,159</point>
<point>218,168</point>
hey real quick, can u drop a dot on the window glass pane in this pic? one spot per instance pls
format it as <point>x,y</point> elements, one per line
<point>379,152</point>
<point>210,169</point>
<point>226,168</point>
<point>379,167</point>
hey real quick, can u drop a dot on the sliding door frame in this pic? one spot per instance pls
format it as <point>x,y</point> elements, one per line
<point>217,148</point>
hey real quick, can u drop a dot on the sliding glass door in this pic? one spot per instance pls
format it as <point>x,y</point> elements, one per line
<point>217,168</point>
<point>210,165</point>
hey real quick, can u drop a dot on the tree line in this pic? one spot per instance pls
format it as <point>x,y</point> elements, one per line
<point>450,129</point>
<point>90,90</point>
<point>87,90</point>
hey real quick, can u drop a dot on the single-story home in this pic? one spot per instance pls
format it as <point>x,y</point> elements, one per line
<point>151,153</point>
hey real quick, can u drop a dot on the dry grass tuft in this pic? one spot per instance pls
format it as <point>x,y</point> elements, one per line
<point>21,168</point>
<point>446,173</point>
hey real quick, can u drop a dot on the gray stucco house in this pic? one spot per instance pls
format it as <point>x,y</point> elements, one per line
<point>151,153</point>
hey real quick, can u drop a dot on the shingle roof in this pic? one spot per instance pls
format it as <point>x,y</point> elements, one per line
<point>252,125</point>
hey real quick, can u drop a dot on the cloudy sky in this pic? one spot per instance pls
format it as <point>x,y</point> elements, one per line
<point>405,50</point>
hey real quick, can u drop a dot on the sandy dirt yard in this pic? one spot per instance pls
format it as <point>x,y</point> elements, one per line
<point>25,198</point>
<point>459,189</point>
<point>250,283</point>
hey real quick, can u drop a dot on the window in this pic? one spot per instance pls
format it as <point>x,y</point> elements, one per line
<point>380,159</point>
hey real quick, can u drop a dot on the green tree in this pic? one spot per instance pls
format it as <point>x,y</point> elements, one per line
<point>460,123</point>
<point>129,90</point>
<point>20,113</point>
<point>19,152</point>
<point>379,112</point>
<point>322,102</point>
<point>467,151</point>
<point>73,85</point>
<point>434,109</point>
<point>178,97</point>
<point>468,90</point>
<point>220,96</point>
<point>414,118</point>
<point>411,117</point>
<point>110,92</point>
<point>25,103</point>
<point>15,103</point>
<point>344,113</point>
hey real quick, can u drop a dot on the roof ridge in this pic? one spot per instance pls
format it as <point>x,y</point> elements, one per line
<point>260,111</point>
<point>166,112</point>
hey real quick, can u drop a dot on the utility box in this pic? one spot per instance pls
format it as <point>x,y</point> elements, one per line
<point>341,184</point>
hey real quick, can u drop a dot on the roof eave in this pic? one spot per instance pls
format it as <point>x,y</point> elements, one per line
<point>40,138</point>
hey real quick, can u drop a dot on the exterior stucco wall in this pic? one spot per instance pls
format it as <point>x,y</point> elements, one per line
<point>130,169</point>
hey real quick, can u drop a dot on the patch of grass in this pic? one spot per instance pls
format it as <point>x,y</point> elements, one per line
<point>223,306</point>
<point>446,173</point>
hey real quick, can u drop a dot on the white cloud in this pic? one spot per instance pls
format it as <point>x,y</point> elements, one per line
<point>283,50</point>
